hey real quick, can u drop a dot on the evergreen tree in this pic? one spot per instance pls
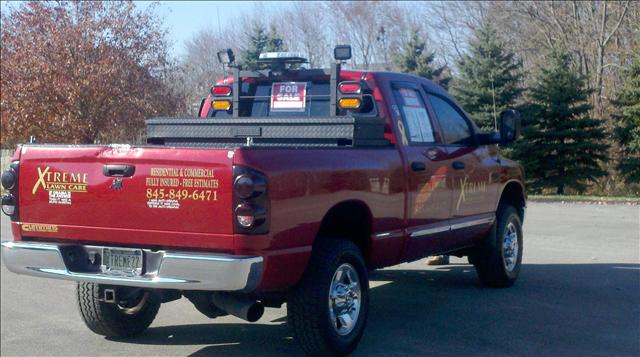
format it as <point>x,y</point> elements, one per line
<point>562,145</point>
<point>415,60</point>
<point>274,41</point>
<point>628,118</point>
<point>489,79</point>
<point>261,41</point>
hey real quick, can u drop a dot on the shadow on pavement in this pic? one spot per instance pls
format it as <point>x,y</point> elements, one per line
<point>553,310</point>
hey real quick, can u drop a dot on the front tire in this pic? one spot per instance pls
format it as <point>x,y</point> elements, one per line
<point>498,257</point>
<point>118,320</point>
<point>328,309</point>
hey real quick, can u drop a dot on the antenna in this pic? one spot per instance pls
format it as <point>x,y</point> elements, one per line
<point>219,27</point>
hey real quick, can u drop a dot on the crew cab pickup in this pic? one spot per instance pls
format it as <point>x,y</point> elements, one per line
<point>290,186</point>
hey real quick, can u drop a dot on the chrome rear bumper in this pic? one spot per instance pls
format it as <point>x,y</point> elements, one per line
<point>162,269</point>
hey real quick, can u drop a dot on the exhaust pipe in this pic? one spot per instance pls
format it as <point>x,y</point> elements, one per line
<point>239,306</point>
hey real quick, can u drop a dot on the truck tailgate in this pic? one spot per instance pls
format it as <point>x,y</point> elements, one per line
<point>131,190</point>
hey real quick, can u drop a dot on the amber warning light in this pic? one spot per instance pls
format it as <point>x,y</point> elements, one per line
<point>221,104</point>
<point>349,103</point>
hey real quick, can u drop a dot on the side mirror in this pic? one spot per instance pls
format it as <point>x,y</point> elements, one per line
<point>509,125</point>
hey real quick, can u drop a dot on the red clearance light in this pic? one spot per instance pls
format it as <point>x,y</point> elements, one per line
<point>349,88</point>
<point>221,90</point>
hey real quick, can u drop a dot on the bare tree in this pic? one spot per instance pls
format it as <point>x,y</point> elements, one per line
<point>359,23</point>
<point>451,24</point>
<point>306,31</point>
<point>591,31</point>
<point>200,68</point>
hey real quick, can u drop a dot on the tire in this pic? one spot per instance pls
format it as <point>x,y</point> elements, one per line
<point>309,308</point>
<point>111,319</point>
<point>494,268</point>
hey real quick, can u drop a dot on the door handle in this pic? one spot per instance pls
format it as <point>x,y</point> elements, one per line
<point>418,166</point>
<point>118,170</point>
<point>458,165</point>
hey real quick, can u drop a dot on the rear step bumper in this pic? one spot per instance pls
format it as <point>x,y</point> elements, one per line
<point>162,269</point>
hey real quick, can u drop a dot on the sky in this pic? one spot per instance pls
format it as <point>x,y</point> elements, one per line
<point>184,19</point>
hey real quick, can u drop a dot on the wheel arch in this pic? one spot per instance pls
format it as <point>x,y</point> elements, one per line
<point>352,220</point>
<point>513,193</point>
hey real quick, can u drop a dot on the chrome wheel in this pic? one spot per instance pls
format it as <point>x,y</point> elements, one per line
<point>344,299</point>
<point>510,247</point>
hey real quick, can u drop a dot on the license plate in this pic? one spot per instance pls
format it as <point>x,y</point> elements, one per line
<point>122,261</point>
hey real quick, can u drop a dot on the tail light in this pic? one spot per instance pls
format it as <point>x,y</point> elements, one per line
<point>9,179</point>
<point>10,184</point>
<point>9,204</point>
<point>246,215</point>
<point>350,95</point>
<point>221,91</point>
<point>248,186</point>
<point>250,201</point>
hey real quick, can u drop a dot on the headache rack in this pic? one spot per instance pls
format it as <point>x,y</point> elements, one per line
<point>276,65</point>
<point>238,74</point>
<point>350,129</point>
<point>344,131</point>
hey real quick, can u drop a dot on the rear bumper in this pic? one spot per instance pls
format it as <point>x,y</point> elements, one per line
<point>162,269</point>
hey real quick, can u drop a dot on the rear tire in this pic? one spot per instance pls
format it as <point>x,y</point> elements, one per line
<point>113,319</point>
<point>326,317</point>
<point>498,257</point>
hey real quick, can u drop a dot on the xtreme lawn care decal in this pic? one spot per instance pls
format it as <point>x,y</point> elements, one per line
<point>36,227</point>
<point>60,184</point>
<point>166,187</point>
<point>470,189</point>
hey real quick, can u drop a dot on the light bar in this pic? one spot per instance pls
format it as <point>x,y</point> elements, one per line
<point>281,57</point>
<point>277,55</point>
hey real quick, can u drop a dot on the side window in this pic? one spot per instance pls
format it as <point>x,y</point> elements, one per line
<point>455,128</point>
<point>416,119</point>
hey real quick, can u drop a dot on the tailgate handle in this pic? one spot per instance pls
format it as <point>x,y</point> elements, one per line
<point>118,170</point>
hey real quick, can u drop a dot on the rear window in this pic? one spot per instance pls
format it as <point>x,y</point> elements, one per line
<point>256,101</point>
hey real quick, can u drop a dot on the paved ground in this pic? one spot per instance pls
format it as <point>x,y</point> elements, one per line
<point>578,294</point>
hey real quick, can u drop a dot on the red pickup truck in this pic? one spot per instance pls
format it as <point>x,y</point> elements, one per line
<point>290,186</point>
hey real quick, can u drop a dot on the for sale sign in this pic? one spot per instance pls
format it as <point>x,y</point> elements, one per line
<point>288,97</point>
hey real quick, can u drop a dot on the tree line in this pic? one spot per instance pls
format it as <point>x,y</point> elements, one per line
<point>92,71</point>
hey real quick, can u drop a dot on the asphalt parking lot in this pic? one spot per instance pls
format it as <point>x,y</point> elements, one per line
<point>578,294</point>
